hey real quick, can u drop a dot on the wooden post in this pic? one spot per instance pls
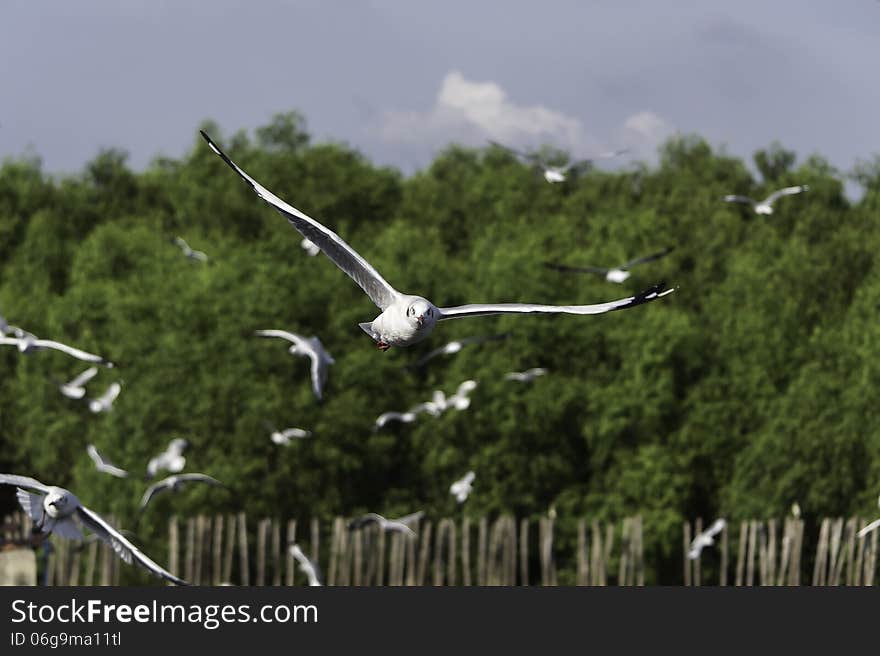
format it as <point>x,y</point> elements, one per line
<point>851,530</point>
<point>335,537</point>
<point>217,551</point>
<point>482,539</point>
<point>262,532</point>
<point>91,563</point>
<point>358,547</point>
<point>411,561</point>
<point>226,575</point>
<point>315,532</point>
<point>466,551</point>
<point>821,554</point>
<point>725,555</point>
<point>860,559</point>
<point>244,565</point>
<point>198,550</point>
<point>425,540</point>
<point>623,564</point>
<point>524,551</point>
<point>276,552</point>
<point>750,563</point>
<point>190,553</point>
<point>697,578</point>
<point>290,561</point>
<point>741,553</point>
<point>835,558</point>
<point>686,540</point>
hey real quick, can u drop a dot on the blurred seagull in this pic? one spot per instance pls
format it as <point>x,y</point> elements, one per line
<point>102,465</point>
<point>29,343</point>
<point>309,247</point>
<point>104,403</point>
<point>174,483</point>
<point>406,319</point>
<point>706,538</point>
<point>461,489</point>
<point>455,346</point>
<point>284,436</point>
<point>554,174</point>
<point>197,256</point>
<point>617,274</point>
<point>766,205</point>
<point>386,417</point>
<point>526,376</point>
<point>310,348</point>
<point>306,566</point>
<point>460,400</point>
<point>75,389</point>
<point>55,510</point>
<point>172,459</point>
<point>400,525</point>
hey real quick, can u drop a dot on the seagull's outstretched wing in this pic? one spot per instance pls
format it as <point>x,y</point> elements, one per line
<point>180,241</point>
<point>573,269</point>
<point>152,491</point>
<point>647,258</point>
<point>363,520</point>
<point>23,481</point>
<point>331,244</point>
<point>103,465</point>
<point>84,377</point>
<point>121,545</point>
<point>74,352</point>
<point>409,519</point>
<point>787,191</point>
<point>870,527</point>
<point>109,396</point>
<point>199,478</point>
<point>295,339</point>
<point>652,294</point>
<point>733,198</point>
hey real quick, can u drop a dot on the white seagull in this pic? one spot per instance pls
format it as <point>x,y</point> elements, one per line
<point>526,376</point>
<point>554,174</point>
<point>706,538</point>
<point>616,274</point>
<point>460,400</point>
<point>197,256</point>
<point>284,436</point>
<point>406,319</point>
<point>766,206</point>
<point>104,403</point>
<point>399,525</point>
<point>306,566</point>
<point>29,343</point>
<point>462,487</point>
<point>309,247</point>
<point>455,346</point>
<point>102,465</point>
<point>310,348</point>
<point>75,389</point>
<point>386,417</point>
<point>55,511</point>
<point>174,483</point>
<point>172,459</point>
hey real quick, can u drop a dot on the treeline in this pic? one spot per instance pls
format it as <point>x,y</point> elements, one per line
<point>753,386</point>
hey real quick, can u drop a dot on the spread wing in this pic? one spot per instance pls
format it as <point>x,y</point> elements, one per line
<point>331,244</point>
<point>152,491</point>
<point>84,377</point>
<point>647,258</point>
<point>121,545</point>
<point>74,352</point>
<point>787,191</point>
<point>295,339</point>
<point>733,198</point>
<point>23,481</point>
<point>652,294</point>
<point>199,478</point>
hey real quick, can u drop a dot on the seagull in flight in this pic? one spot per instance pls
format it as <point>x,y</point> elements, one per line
<point>406,319</point>
<point>706,538</point>
<point>306,566</point>
<point>386,417</point>
<point>104,403</point>
<point>56,510</point>
<point>29,343</point>
<point>526,376</point>
<point>455,346</point>
<point>555,174</point>
<point>460,400</point>
<point>310,348</point>
<point>197,256</point>
<point>616,274</point>
<point>172,459</point>
<point>766,206</point>
<point>284,436</point>
<point>102,465</point>
<point>461,489</point>
<point>174,483</point>
<point>399,525</point>
<point>75,389</point>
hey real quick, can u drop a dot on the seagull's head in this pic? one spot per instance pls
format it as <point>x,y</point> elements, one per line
<point>421,313</point>
<point>59,502</point>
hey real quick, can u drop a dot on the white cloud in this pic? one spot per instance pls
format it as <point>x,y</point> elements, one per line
<point>645,131</point>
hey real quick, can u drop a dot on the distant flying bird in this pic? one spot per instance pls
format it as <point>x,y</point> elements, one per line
<point>617,274</point>
<point>386,417</point>
<point>399,525</point>
<point>407,319</point>
<point>284,436</point>
<point>455,346</point>
<point>460,400</point>
<point>461,489</point>
<point>766,206</point>
<point>102,465</point>
<point>174,483</point>
<point>29,343</point>
<point>309,247</point>
<point>57,510</point>
<point>706,538</point>
<point>526,376</point>
<point>172,459</point>
<point>75,389</point>
<point>308,347</point>
<point>306,566</point>
<point>197,256</point>
<point>104,403</point>
<point>554,174</point>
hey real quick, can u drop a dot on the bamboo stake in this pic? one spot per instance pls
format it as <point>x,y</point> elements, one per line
<point>686,540</point>
<point>851,529</point>
<point>425,539</point>
<point>524,552</point>
<point>217,547</point>
<point>290,565</point>
<point>226,576</point>
<point>198,550</point>
<point>821,552</point>
<point>244,565</point>
<point>411,563</point>
<point>623,564</point>
<point>725,555</point>
<point>482,539</point>
<point>750,564</point>
<point>452,558</point>
<point>190,555</point>
<point>741,553</point>
<point>276,552</point>
<point>466,551</point>
<point>697,578</point>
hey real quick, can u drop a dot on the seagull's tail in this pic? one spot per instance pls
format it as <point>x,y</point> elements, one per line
<point>367,327</point>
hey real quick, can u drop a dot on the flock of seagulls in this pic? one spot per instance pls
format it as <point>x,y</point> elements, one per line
<point>404,320</point>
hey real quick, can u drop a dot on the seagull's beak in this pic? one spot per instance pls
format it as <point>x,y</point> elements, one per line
<point>420,320</point>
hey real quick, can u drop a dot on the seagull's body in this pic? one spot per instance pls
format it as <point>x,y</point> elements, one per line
<point>312,349</point>
<point>386,417</point>
<point>461,489</point>
<point>526,376</point>
<point>172,459</point>
<point>706,538</point>
<point>284,436</point>
<point>102,465</point>
<point>461,399</point>
<point>174,483</point>
<point>399,525</point>
<point>616,274</point>
<point>75,389</point>
<point>406,319</point>
<point>29,343</point>
<point>56,510</point>
<point>455,346</point>
<point>306,566</point>
<point>309,247</point>
<point>766,206</point>
<point>104,403</point>
<point>556,174</point>
<point>197,256</point>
